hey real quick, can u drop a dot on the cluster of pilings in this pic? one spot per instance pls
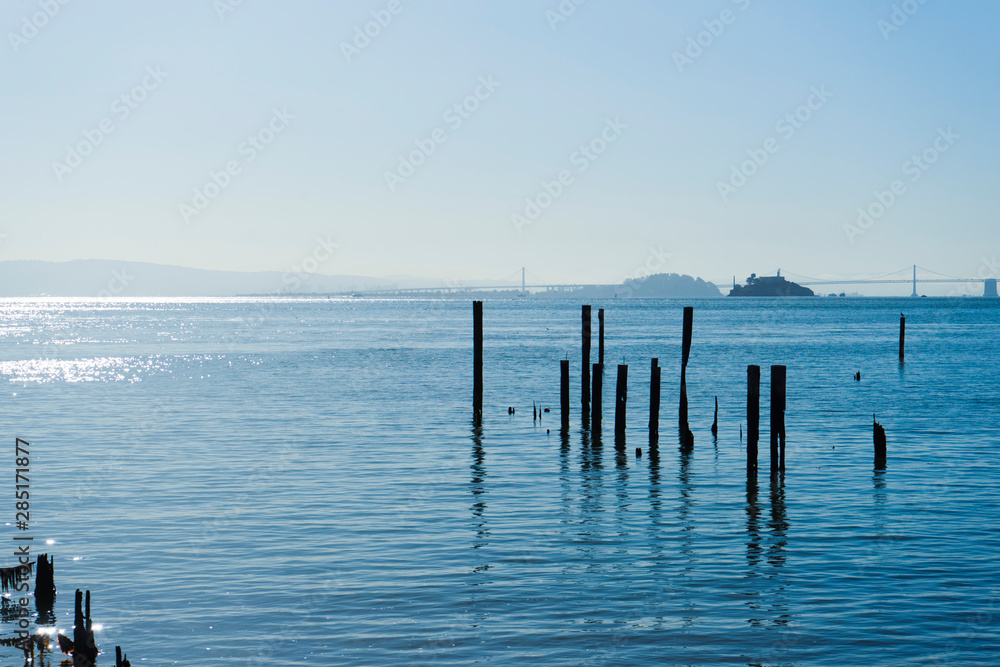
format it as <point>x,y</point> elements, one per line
<point>592,381</point>
<point>82,646</point>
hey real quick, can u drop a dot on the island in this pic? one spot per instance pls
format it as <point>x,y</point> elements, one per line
<point>769,286</point>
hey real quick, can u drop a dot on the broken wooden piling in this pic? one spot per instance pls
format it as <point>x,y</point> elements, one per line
<point>84,647</point>
<point>778,374</point>
<point>621,399</point>
<point>902,337</point>
<point>596,398</point>
<point>45,587</point>
<point>654,400</point>
<point>878,434</point>
<point>753,415</point>
<point>564,392</point>
<point>121,660</point>
<point>477,353</point>
<point>585,371</point>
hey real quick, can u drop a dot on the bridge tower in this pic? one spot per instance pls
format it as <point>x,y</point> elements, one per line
<point>990,287</point>
<point>914,280</point>
<point>522,279</point>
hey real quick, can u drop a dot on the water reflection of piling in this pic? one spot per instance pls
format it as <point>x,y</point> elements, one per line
<point>753,521</point>
<point>779,522</point>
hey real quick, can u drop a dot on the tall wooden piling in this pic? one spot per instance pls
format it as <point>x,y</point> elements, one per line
<point>477,353</point>
<point>685,353</point>
<point>600,335</point>
<point>715,420</point>
<point>654,400</point>
<point>878,434</point>
<point>621,399</point>
<point>564,392</point>
<point>596,399</point>
<point>902,337</point>
<point>753,415</point>
<point>778,374</point>
<point>585,373</point>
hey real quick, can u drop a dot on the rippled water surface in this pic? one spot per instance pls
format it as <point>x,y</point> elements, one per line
<point>299,482</point>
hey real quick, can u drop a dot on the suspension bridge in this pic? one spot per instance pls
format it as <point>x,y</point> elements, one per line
<point>908,275</point>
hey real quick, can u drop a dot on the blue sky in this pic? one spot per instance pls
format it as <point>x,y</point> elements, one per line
<point>330,126</point>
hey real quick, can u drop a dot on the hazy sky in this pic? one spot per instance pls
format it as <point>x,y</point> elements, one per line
<point>417,150</point>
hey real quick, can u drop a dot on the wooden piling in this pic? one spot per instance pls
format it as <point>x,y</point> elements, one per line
<point>778,374</point>
<point>564,392</point>
<point>878,434</point>
<point>596,398</point>
<point>477,353</point>
<point>121,660</point>
<point>84,646</point>
<point>715,421</point>
<point>753,415</point>
<point>600,336</point>
<point>654,400</point>
<point>902,337</point>
<point>685,353</point>
<point>621,399</point>
<point>45,587</point>
<point>585,372</point>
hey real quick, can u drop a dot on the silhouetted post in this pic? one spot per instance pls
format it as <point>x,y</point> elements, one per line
<point>753,415</point>
<point>45,587</point>
<point>621,399</point>
<point>685,353</point>
<point>878,434</point>
<point>654,400</point>
<point>585,377</point>
<point>596,398</point>
<point>902,337</point>
<point>600,336</point>
<point>715,421</point>
<point>778,418</point>
<point>477,353</point>
<point>84,646</point>
<point>564,392</point>
<point>120,659</point>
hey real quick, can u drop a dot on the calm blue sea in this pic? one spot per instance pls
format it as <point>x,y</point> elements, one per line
<point>299,482</point>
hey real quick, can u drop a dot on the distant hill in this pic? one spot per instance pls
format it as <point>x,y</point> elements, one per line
<point>670,285</point>
<point>92,278</point>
